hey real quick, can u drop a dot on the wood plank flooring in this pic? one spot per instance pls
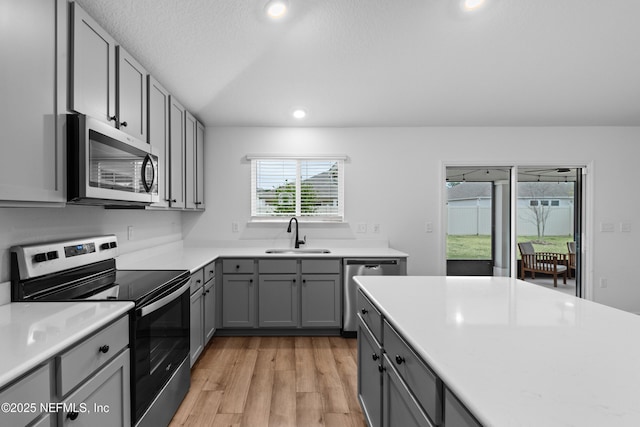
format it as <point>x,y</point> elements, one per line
<point>272,382</point>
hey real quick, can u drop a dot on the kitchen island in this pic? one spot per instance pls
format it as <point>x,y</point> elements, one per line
<point>515,354</point>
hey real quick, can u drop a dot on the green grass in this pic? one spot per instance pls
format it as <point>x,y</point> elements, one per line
<point>479,247</point>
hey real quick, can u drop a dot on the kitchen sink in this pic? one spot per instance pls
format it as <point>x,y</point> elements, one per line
<point>297,251</point>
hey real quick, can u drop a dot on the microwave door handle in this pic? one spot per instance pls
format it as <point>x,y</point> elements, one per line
<point>148,160</point>
<point>157,305</point>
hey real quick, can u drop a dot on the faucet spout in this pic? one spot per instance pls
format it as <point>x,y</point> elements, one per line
<point>298,242</point>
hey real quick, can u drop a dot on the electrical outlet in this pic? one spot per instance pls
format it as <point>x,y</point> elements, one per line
<point>361,227</point>
<point>625,227</point>
<point>604,283</point>
<point>130,232</point>
<point>376,228</point>
<point>428,227</point>
<point>607,227</point>
<point>235,227</point>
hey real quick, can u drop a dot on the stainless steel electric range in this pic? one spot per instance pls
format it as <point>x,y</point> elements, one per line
<point>85,269</point>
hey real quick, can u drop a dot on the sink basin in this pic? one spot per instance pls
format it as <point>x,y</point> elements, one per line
<point>297,251</point>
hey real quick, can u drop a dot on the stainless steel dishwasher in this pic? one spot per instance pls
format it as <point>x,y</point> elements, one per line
<point>364,267</point>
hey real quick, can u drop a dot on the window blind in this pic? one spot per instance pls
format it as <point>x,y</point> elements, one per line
<point>308,188</point>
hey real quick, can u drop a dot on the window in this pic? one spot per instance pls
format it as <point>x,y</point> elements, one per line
<point>307,188</point>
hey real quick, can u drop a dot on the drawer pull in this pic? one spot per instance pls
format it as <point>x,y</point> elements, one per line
<point>364,311</point>
<point>399,360</point>
<point>374,356</point>
<point>72,415</point>
<point>237,267</point>
<point>104,349</point>
<point>381,368</point>
<point>210,271</point>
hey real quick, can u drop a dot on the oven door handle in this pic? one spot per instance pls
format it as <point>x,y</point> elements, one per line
<point>164,300</point>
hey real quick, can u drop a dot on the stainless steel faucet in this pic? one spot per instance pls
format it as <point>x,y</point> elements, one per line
<point>298,242</point>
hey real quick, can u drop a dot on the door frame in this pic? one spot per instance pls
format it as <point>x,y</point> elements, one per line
<point>587,211</point>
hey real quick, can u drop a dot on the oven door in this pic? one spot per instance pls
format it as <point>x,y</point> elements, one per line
<point>161,343</point>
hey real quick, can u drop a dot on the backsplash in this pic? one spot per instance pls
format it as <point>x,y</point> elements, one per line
<point>33,225</point>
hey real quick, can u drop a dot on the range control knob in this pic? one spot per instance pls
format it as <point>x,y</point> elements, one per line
<point>113,245</point>
<point>104,246</point>
<point>40,257</point>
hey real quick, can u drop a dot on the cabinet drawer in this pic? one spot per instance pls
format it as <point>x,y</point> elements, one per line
<point>241,266</point>
<point>209,271</point>
<point>456,414</point>
<point>33,388</point>
<point>321,266</point>
<point>197,280</point>
<point>422,382</point>
<point>75,365</point>
<point>277,266</point>
<point>370,315</point>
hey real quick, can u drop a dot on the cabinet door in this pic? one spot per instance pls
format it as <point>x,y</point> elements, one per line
<point>399,407</point>
<point>158,135</point>
<point>190,162</point>
<point>369,376</point>
<point>177,154</point>
<point>200,166</point>
<point>131,96</point>
<point>456,414</point>
<point>32,132</point>
<point>238,301</point>
<point>321,300</point>
<point>93,75</point>
<point>196,326</point>
<point>106,396</point>
<point>209,310</point>
<point>278,300</point>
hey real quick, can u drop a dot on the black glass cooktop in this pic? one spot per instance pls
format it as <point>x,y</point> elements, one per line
<point>101,281</point>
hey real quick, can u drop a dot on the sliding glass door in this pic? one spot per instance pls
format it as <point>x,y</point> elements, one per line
<point>478,221</point>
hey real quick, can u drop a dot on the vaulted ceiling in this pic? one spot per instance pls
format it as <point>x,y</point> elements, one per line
<point>389,62</point>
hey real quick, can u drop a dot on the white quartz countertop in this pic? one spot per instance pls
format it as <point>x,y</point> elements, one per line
<point>31,333</point>
<point>194,258</point>
<point>517,354</point>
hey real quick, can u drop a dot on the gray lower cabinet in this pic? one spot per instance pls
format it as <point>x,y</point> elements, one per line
<point>34,387</point>
<point>209,310</point>
<point>320,303</point>
<point>196,326</point>
<point>238,301</point>
<point>456,415</point>
<point>369,375</point>
<point>105,397</point>
<point>399,407</point>
<point>395,386</point>
<point>290,293</point>
<point>278,300</point>
<point>88,384</point>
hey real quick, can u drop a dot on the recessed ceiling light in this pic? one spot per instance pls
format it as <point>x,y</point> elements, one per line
<point>299,113</point>
<point>473,4</point>
<point>276,9</point>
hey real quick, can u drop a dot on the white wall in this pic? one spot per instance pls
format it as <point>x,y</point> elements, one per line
<point>33,225</point>
<point>394,178</point>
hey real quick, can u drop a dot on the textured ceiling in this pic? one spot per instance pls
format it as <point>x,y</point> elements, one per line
<point>389,62</point>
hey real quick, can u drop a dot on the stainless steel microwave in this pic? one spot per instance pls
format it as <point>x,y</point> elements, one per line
<point>106,166</point>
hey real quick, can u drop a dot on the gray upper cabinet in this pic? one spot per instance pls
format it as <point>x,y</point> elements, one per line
<point>158,135</point>
<point>106,82</point>
<point>194,165</point>
<point>200,166</point>
<point>131,95</point>
<point>33,41</point>
<point>177,154</point>
<point>93,74</point>
<point>190,163</point>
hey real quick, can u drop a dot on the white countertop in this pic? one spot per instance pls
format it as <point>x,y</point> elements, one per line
<point>517,354</point>
<point>32,333</point>
<point>176,257</point>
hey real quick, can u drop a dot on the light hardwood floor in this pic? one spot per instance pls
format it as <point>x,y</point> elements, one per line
<point>273,381</point>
